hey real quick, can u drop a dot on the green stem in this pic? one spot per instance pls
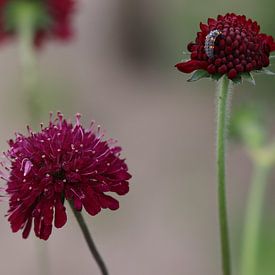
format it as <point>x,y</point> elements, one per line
<point>25,14</point>
<point>89,240</point>
<point>222,108</point>
<point>253,219</point>
<point>26,32</point>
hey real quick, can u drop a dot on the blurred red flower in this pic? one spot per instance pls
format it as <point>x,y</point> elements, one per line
<point>54,18</point>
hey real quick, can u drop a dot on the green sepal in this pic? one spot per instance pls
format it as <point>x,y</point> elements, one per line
<point>247,125</point>
<point>237,79</point>
<point>264,71</point>
<point>268,72</point>
<point>197,75</point>
<point>248,77</point>
<point>216,76</point>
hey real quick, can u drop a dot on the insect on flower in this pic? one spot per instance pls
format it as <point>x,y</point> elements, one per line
<point>229,45</point>
<point>209,44</point>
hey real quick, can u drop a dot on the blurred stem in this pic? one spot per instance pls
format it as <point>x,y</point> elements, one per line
<point>25,16</point>
<point>253,219</point>
<point>26,32</point>
<point>222,113</point>
<point>89,240</point>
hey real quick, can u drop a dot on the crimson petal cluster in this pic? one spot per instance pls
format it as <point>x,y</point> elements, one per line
<point>61,162</point>
<point>59,12</point>
<point>239,48</point>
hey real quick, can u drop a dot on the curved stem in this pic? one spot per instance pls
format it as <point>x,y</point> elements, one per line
<point>222,108</point>
<point>253,219</point>
<point>89,240</point>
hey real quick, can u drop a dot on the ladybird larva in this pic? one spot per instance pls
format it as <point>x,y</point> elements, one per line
<point>210,42</point>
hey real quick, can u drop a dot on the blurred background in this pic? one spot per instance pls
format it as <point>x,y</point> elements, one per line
<point>118,69</point>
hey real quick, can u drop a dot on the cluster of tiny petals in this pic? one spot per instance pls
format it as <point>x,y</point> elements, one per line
<point>240,47</point>
<point>59,12</point>
<point>61,162</point>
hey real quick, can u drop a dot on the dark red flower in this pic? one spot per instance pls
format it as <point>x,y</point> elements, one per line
<point>230,45</point>
<point>61,162</point>
<point>54,24</point>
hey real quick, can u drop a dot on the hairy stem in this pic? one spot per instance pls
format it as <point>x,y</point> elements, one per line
<point>222,113</point>
<point>253,220</point>
<point>89,240</point>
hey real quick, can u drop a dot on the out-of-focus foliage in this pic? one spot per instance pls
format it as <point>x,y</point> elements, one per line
<point>266,252</point>
<point>247,125</point>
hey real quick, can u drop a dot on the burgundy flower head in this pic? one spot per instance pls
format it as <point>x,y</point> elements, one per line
<point>53,18</point>
<point>61,162</point>
<point>230,45</point>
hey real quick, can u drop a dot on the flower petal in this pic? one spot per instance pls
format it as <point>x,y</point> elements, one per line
<point>204,28</point>
<point>27,228</point>
<point>108,202</point>
<point>121,188</point>
<point>191,65</point>
<point>60,214</point>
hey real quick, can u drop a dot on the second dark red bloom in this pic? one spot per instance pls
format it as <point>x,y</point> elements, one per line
<point>238,47</point>
<point>61,162</point>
